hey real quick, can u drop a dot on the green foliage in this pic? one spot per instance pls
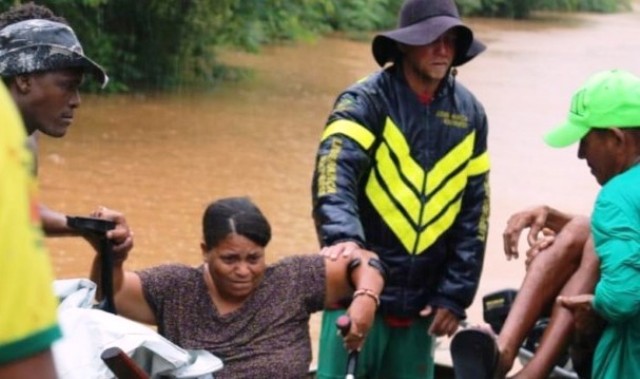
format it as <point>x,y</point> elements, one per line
<point>364,15</point>
<point>166,43</point>
<point>520,9</point>
<point>253,23</point>
<point>604,5</point>
<point>469,6</point>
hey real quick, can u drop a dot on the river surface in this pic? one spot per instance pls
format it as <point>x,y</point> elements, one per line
<point>162,158</point>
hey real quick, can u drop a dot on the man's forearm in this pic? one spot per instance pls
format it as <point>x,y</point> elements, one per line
<point>556,220</point>
<point>54,223</point>
<point>40,366</point>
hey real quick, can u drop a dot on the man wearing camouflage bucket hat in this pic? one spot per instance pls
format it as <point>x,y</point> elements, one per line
<point>32,48</point>
<point>402,169</point>
<point>43,65</point>
<point>42,45</point>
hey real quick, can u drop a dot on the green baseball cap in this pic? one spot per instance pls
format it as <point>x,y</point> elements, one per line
<point>608,99</point>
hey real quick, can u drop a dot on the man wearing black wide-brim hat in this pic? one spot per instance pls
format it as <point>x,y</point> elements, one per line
<point>402,169</point>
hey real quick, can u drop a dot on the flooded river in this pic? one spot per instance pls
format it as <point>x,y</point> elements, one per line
<point>162,158</point>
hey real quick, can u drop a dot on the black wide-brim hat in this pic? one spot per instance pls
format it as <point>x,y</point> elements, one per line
<point>420,23</point>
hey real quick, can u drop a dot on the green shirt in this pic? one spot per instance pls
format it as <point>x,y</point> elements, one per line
<point>615,224</point>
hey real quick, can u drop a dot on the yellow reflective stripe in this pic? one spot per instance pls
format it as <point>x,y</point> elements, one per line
<point>363,79</point>
<point>483,226</point>
<point>397,187</point>
<point>479,165</point>
<point>445,195</point>
<point>457,156</point>
<point>405,181</point>
<point>351,129</point>
<point>435,230</point>
<point>327,169</point>
<point>442,169</point>
<point>400,226</point>
<point>412,171</point>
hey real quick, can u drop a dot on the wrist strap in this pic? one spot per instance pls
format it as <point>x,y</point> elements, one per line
<point>380,266</point>
<point>350,267</point>
<point>369,293</point>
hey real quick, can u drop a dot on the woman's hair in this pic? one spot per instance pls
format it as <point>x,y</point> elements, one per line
<point>236,215</point>
<point>28,11</point>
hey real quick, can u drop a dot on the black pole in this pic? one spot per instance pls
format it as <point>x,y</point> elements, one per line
<point>98,228</point>
<point>106,276</point>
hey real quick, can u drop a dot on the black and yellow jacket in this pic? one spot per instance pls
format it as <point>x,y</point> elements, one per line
<point>408,181</point>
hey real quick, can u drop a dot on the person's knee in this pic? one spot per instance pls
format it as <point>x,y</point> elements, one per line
<point>570,242</point>
<point>577,231</point>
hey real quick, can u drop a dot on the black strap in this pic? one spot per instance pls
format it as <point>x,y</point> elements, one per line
<point>375,263</point>
<point>380,266</point>
<point>350,267</point>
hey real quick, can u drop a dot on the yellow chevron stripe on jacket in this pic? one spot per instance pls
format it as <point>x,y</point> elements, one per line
<point>417,205</point>
<point>351,129</point>
<point>327,164</point>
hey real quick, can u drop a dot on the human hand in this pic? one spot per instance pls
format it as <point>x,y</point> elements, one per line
<point>121,236</point>
<point>362,313</point>
<point>581,306</point>
<point>341,249</point>
<point>533,218</point>
<point>541,244</point>
<point>444,321</point>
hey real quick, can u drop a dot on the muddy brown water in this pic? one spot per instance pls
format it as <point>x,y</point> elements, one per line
<point>162,158</point>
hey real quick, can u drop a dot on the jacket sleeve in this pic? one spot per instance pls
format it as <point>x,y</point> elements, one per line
<point>466,240</point>
<point>341,162</point>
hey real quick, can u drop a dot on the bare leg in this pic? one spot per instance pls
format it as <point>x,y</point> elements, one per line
<point>546,277</point>
<point>556,335</point>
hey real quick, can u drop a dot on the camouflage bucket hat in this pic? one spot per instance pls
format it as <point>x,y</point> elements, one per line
<point>43,45</point>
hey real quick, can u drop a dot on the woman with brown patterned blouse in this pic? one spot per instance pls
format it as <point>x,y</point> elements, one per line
<point>253,316</point>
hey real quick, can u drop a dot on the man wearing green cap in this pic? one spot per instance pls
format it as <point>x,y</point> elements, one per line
<point>605,118</point>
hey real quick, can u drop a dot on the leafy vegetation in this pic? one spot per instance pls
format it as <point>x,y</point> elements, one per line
<point>520,9</point>
<point>163,43</point>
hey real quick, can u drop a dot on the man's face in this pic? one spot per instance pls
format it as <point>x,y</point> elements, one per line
<point>49,100</point>
<point>601,149</point>
<point>431,62</point>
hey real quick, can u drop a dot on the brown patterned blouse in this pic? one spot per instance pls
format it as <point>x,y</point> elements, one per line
<point>268,337</point>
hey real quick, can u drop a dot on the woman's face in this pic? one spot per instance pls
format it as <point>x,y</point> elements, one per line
<point>236,266</point>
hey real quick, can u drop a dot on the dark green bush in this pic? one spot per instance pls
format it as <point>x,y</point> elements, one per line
<point>520,9</point>
<point>165,43</point>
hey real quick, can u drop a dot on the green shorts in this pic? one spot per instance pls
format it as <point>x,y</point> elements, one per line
<point>398,352</point>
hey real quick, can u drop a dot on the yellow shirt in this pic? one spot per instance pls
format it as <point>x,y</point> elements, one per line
<point>28,322</point>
